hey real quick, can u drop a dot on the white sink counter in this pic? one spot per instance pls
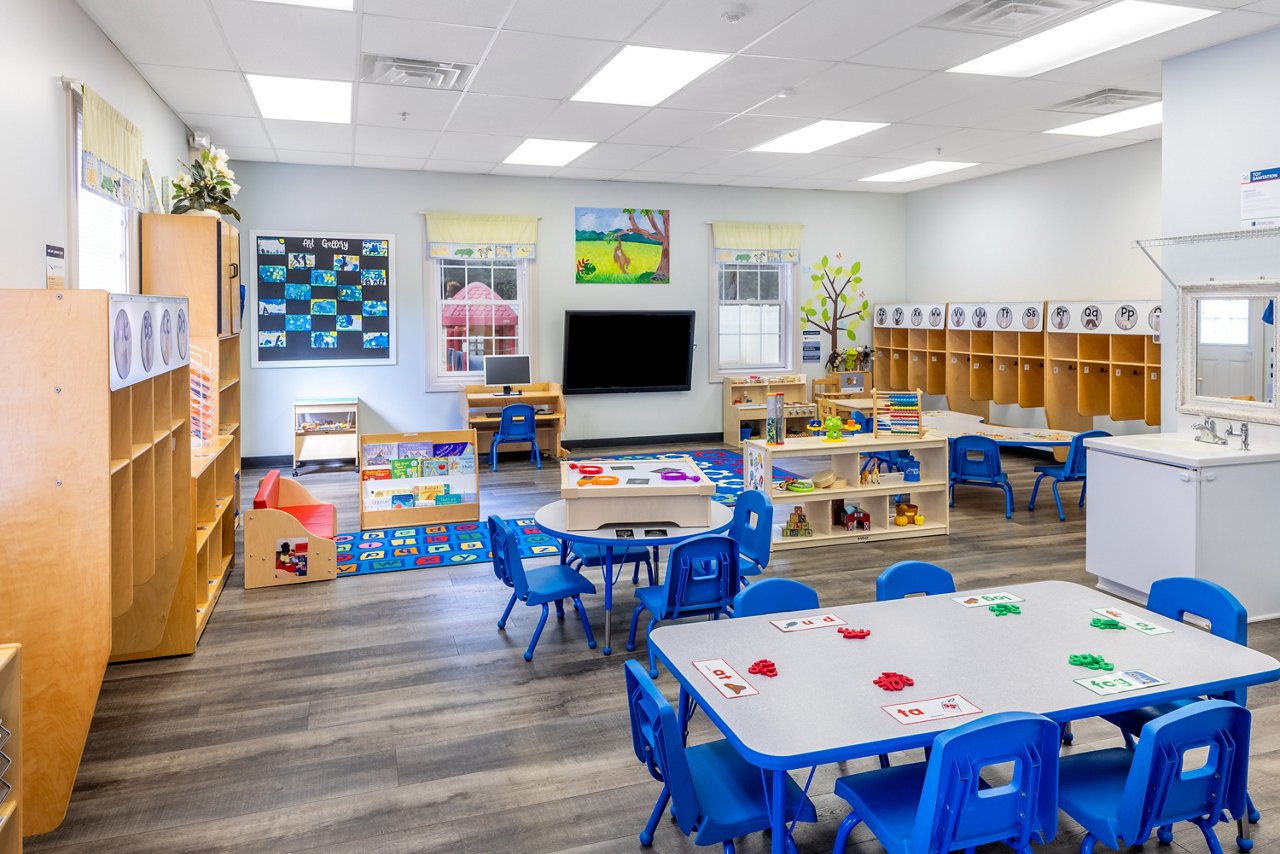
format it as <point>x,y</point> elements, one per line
<point>1180,449</point>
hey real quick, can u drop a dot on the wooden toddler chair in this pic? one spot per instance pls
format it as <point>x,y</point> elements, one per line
<point>288,535</point>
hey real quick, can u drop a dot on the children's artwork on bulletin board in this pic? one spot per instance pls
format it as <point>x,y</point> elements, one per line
<point>322,299</point>
<point>622,246</point>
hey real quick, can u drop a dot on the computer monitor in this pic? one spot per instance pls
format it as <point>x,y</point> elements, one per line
<point>506,371</point>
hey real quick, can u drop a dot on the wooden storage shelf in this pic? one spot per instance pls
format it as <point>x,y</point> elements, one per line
<point>1062,345</point>
<point>936,373</point>
<point>744,403</point>
<point>1006,343</point>
<point>1094,348</point>
<point>1093,391</point>
<point>1005,380</point>
<point>1128,392</point>
<point>981,343</point>
<point>937,340</point>
<point>981,381</point>
<point>898,338</point>
<point>917,367</point>
<point>898,366</point>
<point>325,428</point>
<point>1129,349</point>
<point>460,479</point>
<point>11,716</point>
<point>1151,409</point>
<point>1031,382</point>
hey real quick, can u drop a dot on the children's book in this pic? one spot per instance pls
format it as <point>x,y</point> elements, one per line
<point>404,468</point>
<point>434,467</point>
<point>376,473</point>
<point>415,450</point>
<point>378,455</point>
<point>453,449</point>
<point>464,464</point>
<point>401,501</point>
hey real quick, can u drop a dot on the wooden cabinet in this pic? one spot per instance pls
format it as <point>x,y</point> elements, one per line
<point>11,789</point>
<point>745,401</point>
<point>995,354</point>
<point>197,257</point>
<point>96,454</point>
<point>326,428</point>
<point>482,412</point>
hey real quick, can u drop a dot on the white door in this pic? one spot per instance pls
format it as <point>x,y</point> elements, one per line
<point>1233,357</point>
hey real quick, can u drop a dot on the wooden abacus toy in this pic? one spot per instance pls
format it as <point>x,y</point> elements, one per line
<point>897,413</point>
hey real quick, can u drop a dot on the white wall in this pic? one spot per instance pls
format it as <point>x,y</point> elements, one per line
<point>1220,120</point>
<point>276,196</point>
<point>43,41</point>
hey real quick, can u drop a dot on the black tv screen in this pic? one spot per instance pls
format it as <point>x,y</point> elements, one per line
<point>614,352</point>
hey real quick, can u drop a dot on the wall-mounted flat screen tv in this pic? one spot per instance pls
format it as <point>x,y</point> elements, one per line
<point>617,352</point>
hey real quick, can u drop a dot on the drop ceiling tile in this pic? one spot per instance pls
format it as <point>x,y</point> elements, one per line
<point>428,109</point>
<point>992,105</point>
<point>248,152</point>
<point>762,181</point>
<point>1071,149</point>
<point>841,178</point>
<point>698,178</point>
<point>577,120</point>
<point>321,43</point>
<point>475,146</point>
<point>668,127</point>
<point>527,171</point>
<point>814,182</point>
<point>593,19</point>
<point>743,82</point>
<point>921,96</point>
<point>886,140</point>
<point>930,48</point>
<point>1034,121</point>
<point>1025,144</point>
<point>315,158</point>
<point>1264,7</point>
<point>610,155</point>
<point>159,32</point>
<point>681,160</point>
<point>199,90</point>
<point>310,136</point>
<point>510,115</point>
<point>229,130</point>
<point>394,142</point>
<point>477,13</point>
<point>746,131</point>
<point>423,39</point>
<point>806,165</point>
<point>838,88</point>
<point>697,25</point>
<point>539,66</point>
<point>745,163</point>
<point>839,29</point>
<point>648,177</point>
<point>956,144</point>
<point>381,161</point>
<point>475,167</point>
<point>579,174</point>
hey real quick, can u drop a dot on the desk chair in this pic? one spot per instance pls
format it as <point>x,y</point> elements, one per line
<point>752,530</point>
<point>702,579</point>
<point>1175,598</point>
<point>1120,795</point>
<point>774,596</point>
<point>712,790</point>
<point>944,805</point>
<point>1072,469</point>
<point>518,424</point>
<point>975,460</point>
<point>536,587</point>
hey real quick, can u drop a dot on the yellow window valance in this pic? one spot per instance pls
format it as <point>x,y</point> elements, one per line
<point>470,235</point>
<point>111,148</point>
<point>757,242</point>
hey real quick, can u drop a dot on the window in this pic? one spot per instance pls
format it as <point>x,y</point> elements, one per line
<point>102,230</point>
<point>753,316</point>
<point>480,311</point>
<point>1224,321</point>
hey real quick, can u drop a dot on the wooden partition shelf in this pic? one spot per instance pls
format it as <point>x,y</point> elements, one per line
<point>419,478</point>
<point>481,407</point>
<point>745,400</point>
<point>11,747</point>
<point>94,415</point>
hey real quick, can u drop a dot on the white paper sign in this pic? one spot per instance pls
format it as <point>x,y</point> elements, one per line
<point>800,624</point>
<point>727,680</point>
<point>1120,683</point>
<point>1260,198</point>
<point>1124,618</point>
<point>982,600</point>
<point>923,711</point>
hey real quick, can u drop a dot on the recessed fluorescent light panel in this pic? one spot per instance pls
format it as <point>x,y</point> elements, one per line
<point>340,5</point>
<point>547,152</point>
<point>302,100</point>
<point>646,76</point>
<point>921,170</point>
<point>1139,117</point>
<point>1108,28</point>
<point>817,136</point>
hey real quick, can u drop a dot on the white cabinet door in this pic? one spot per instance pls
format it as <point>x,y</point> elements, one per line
<point>1141,520</point>
<point>1240,533</point>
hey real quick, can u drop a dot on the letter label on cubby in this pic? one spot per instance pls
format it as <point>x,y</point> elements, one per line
<point>917,316</point>
<point>935,316</point>
<point>1126,317</point>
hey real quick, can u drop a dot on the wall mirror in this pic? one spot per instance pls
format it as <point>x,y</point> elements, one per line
<point>1227,342</point>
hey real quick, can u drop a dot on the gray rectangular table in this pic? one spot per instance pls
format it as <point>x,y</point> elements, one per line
<point>823,706</point>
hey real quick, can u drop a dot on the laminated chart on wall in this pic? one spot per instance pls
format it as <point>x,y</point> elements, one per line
<point>322,299</point>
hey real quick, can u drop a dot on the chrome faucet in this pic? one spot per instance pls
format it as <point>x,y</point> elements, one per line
<point>1208,429</point>
<point>1243,434</point>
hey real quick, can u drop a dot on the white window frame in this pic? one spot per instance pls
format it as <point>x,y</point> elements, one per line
<point>83,202</point>
<point>441,380</point>
<point>786,293</point>
<point>1210,327</point>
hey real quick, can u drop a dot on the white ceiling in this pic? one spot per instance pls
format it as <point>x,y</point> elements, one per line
<point>863,60</point>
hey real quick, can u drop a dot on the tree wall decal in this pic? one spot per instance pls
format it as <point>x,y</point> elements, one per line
<point>837,303</point>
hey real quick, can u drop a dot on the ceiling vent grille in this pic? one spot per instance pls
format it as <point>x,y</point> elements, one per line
<point>1106,101</point>
<point>420,73</point>
<point>1011,18</point>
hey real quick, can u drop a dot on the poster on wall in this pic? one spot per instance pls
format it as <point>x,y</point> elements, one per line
<point>322,299</point>
<point>622,246</point>
<point>1260,198</point>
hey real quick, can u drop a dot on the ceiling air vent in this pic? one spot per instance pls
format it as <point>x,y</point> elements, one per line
<point>422,73</point>
<point>1106,101</point>
<point>1012,18</point>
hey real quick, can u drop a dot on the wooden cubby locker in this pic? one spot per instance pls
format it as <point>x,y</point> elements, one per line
<point>198,257</point>
<point>995,354</point>
<point>11,746</point>
<point>94,411</point>
<point>1104,359</point>
<point>910,347</point>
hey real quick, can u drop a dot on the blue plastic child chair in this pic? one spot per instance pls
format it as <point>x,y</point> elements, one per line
<point>752,529</point>
<point>518,424</point>
<point>702,579</point>
<point>1072,469</point>
<point>975,460</point>
<point>909,577</point>
<point>1120,795</point>
<point>586,555</point>
<point>1176,598</point>
<point>774,596</point>
<point>712,790</point>
<point>945,805</point>
<point>534,587</point>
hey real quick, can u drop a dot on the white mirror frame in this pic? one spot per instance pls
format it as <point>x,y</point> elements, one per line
<point>1189,334</point>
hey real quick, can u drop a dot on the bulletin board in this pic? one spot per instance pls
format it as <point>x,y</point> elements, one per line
<point>322,299</point>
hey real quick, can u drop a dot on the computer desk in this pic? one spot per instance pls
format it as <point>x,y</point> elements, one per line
<point>483,411</point>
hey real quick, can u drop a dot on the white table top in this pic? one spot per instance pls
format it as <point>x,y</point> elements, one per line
<point>550,518</point>
<point>949,424</point>
<point>823,705</point>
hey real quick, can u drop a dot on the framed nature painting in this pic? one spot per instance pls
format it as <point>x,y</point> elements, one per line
<point>622,246</point>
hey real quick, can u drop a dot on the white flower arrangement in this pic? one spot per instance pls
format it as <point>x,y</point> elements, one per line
<point>208,184</point>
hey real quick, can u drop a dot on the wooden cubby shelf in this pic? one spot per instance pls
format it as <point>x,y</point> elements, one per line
<point>745,401</point>
<point>909,343</point>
